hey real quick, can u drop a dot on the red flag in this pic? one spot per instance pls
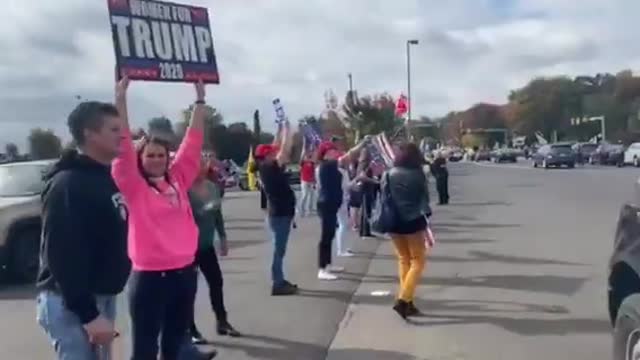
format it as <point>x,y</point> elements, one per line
<point>402,106</point>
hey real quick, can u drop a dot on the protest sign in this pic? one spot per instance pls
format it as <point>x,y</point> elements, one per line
<point>161,41</point>
<point>280,115</point>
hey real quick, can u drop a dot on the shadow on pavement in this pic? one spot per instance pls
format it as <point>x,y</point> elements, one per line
<point>477,256</point>
<point>245,227</point>
<point>554,284</point>
<point>367,354</point>
<point>463,241</point>
<point>17,292</point>
<point>437,225</point>
<point>486,203</point>
<point>228,220</point>
<point>522,326</point>
<point>239,244</point>
<point>276,349</point>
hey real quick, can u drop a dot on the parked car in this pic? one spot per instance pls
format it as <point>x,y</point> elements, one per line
<point>20,221</point>
<point>554,155</point>
<point>504,155</point>
<point>456,155</point>
<point>482,155</point>
<point>624,279</point>
<point>584,150</point>
<point>632,155</point>
<point>608,154</point>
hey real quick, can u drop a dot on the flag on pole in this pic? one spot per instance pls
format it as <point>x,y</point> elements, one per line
<point>251,175</point>
<point>311,136</point>
<point>280,115</point>
<point>402,106</point>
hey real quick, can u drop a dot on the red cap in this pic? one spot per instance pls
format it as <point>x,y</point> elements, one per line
<point>325,147</point>
<point>263,150</point>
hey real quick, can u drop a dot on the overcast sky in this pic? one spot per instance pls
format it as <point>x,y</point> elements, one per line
<point>470,51</point>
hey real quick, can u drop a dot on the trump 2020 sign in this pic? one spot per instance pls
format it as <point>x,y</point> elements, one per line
<point>161,41</point>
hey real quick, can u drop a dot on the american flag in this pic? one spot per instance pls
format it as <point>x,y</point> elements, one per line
<point>381,151</point>
<point>311,136</point>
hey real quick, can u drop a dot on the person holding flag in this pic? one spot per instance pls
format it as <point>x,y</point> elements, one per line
<point>280,203</point>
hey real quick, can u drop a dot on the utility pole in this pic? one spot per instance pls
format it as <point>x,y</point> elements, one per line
<point>407,124</point>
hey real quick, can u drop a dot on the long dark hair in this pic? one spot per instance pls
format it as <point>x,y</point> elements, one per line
<point>142,144</point>
<point>408,156</point>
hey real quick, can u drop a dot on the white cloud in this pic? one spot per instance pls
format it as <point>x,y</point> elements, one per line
<point>470,51</point>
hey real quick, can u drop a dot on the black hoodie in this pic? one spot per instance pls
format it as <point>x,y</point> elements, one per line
<point>84,234</point>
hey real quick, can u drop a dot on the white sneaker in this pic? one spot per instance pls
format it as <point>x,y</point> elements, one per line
<point>324,274</point>
<point>336,269</point>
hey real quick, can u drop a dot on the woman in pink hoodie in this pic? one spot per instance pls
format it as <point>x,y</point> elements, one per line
<point>162,233</point>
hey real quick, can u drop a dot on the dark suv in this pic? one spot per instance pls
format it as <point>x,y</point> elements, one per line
<point>624,281</point>
<point>554,155</point>
<point>608,154</point>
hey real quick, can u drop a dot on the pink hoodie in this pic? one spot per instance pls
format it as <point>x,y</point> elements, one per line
<point>161,236</point>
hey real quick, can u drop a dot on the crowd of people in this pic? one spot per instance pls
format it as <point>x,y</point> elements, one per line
<point>118,212</point>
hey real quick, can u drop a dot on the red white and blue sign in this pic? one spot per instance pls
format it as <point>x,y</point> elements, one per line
<point>162,41</point>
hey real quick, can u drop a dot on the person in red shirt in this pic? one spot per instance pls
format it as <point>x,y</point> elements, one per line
<point>307,184</point>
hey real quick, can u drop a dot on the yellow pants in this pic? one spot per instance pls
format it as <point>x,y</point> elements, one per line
<point>411,252</point>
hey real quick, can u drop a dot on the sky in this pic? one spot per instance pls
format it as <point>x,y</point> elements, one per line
<point>469,51</point>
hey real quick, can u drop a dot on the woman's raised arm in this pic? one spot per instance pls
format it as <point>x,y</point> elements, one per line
<point>186,165</point>
<point>124,169</point>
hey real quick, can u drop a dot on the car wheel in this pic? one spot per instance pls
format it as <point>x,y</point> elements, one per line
<point>534,163</point>
<point>25,255</point>
<point>627,328</point>
<point>544,164</point>
<point>636,162</point>
<point>571,165</point>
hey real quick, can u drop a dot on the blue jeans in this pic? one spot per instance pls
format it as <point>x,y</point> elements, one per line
<point>279,226</point>
<point>65,330</point>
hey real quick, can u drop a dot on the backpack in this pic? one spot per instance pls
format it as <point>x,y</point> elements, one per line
<point>384,215</point>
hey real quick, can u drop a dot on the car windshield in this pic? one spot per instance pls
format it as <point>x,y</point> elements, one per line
<point>561,149</point>
<point>22,179</point>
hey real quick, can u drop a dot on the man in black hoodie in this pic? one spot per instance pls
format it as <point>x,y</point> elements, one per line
<point>83,261</point>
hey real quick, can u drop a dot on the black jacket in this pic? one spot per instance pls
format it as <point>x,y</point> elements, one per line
<point>410,192</point>
<point>330,182</point>
<point>84,234</point>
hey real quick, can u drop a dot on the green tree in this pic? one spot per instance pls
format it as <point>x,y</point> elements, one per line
<point>257,130</point>
<point>44,144</point>
<point>370,114</point>
<point>161,125</point>
<point>212,119</point>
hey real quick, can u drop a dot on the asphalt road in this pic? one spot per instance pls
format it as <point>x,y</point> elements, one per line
<point>518,272</point>
<point>300,327</point>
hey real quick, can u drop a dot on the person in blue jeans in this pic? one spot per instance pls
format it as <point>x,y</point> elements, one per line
<point>83,259</point>
<point>281,203</point>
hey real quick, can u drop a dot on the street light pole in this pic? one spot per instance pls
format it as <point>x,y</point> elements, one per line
<point>407,124</point>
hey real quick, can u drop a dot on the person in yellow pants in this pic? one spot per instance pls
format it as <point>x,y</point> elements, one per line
<point>407,185</point>
<point>411,252</point>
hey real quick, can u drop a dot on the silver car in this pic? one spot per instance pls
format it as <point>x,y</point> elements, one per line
<point>20,186</point>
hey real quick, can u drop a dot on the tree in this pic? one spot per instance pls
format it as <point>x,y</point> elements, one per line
<point>12,151</point>
<point>44,144</point>
<point>161,125</point>
<point>256,128</point>
<point>212,119</point>
<point>546,105</point>
<point>370,114</point>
